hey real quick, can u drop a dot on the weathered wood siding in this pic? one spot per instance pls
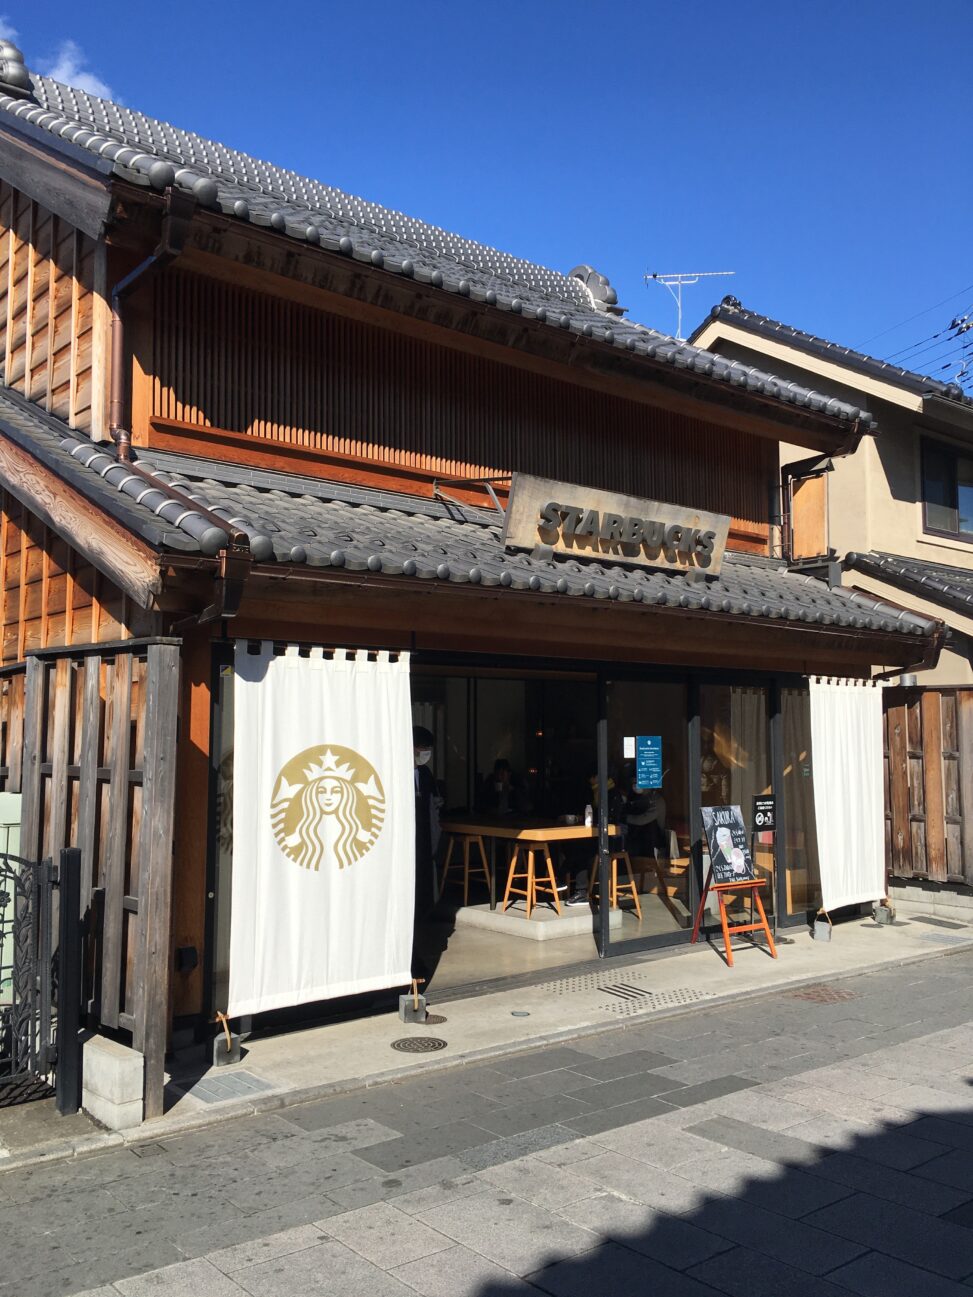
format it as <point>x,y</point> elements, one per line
<point>929,783</point>
<point>50,595</point>
<point>53,314</point>
<point>222,356</point>
<point>99,773</point>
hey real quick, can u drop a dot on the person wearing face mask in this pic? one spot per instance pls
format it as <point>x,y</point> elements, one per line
<point>426,832</point>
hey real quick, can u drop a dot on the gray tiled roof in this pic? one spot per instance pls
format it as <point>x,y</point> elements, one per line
<point>952,587</point>
<point>733,312</point>
<point>307,522</point>
<point>155,154</point>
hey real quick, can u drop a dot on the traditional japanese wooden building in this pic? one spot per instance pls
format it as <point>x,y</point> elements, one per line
<point>240,404</point>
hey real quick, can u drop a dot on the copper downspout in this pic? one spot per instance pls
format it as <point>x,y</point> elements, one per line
<point>179,208</point>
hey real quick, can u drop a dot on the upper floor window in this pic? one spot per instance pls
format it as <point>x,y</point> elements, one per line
<point>947,490</point>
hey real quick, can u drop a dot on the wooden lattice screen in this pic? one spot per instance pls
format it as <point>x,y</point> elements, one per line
<point>929,783</point>
<point>99,768</point>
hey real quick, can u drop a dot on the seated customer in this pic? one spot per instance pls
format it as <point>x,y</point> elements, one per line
<point>502,793</point>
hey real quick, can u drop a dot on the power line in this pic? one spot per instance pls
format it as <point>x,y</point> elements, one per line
<point>959,325</point>
<point>956,321</point>
<point>918,315</point>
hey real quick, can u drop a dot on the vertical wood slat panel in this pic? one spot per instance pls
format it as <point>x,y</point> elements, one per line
<point>435,408</point>
<point>964,740</point>
<point>13,730</point>
<point>932,777</point>
<point>35,712</point>
<point>88,779</point>
<point>897,727</point>
<point>155,883</point>
<point>61,677</point>
<point>114,864</point>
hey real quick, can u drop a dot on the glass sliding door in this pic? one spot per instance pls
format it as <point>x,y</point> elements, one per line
<point>801,886</point>
<point>649,801</point>
<point>735,764</point>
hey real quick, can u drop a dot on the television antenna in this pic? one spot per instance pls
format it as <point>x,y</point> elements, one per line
<point>676,283</point>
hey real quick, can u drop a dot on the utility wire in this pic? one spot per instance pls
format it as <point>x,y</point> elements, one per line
<point>934,340</point>
<point>960,325</point>
<point>918,315</point>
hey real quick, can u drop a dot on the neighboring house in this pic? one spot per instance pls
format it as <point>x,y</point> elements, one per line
<point>301,431</point>
<point>895,519</point>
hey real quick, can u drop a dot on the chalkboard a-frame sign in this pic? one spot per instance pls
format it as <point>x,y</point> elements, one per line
<point>729,845</point>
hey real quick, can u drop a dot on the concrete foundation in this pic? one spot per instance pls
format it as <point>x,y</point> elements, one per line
<point>113,1088</point>
<point>950,901</point>
<point>543,925</point>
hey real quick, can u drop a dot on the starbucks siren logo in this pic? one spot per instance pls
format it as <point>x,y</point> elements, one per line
<point>328,806</point>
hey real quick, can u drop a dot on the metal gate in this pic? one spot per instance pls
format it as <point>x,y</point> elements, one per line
<point>40,979</point>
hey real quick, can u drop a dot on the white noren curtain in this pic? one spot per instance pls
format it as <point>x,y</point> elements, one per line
<point>323,827</point>
<point>849,799</point>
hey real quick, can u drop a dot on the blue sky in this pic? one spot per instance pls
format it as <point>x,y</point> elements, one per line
<point>821,150</point>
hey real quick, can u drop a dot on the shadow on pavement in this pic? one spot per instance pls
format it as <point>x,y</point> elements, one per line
<point>886,1214</point>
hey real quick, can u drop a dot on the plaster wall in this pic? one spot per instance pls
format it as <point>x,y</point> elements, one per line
<point>874,497</point>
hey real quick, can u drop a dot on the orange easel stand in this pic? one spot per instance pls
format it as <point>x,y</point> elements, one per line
<point>729,930</point>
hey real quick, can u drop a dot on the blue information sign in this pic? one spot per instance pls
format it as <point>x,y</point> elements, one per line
<point>648,761</point>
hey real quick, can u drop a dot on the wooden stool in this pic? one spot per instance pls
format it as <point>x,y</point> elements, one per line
<point>614,886</point>
<point>464,864</point>
<point>546,883</point>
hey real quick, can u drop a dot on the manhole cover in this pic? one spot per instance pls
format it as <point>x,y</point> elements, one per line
<point>434,1019</point>
<point>418,1044</point>
<point>823,994</point>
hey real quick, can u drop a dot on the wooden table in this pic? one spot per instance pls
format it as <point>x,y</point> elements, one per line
<point>530,838</point>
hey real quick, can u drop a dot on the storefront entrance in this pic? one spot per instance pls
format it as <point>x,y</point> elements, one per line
<point>516,759</point>
<point>522,760</point>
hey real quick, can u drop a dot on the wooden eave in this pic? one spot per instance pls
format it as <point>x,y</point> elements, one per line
<point>222,248</point>
<point>65,180</point>
<point>113,550</point>
<point>372,610</point>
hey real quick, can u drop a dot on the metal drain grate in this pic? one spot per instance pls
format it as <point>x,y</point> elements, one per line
<point>935,922</point>
<point>942,939</point>
<point>821,994</point>
<point>434,1020</point>
<point>651,1001</point>
<point>625,992</point>
<point>418,1044</point>
<point>587,982</point>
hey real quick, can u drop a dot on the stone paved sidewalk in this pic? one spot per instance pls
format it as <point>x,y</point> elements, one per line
<point>816,1141</point>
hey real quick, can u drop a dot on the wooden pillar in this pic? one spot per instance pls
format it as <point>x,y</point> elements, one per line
<point>192,795</point>
<point>153,960</point>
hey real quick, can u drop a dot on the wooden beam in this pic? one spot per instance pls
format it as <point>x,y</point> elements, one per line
<point>126,560</point>
<point>471,619</point>
<point>71,190</point>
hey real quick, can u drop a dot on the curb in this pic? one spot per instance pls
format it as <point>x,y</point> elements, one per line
<point>275,1101</point>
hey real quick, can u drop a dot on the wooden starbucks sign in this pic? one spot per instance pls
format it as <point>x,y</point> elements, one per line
<point>587,523</point>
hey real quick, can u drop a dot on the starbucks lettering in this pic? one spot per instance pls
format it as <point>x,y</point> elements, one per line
<point>584,522</point>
